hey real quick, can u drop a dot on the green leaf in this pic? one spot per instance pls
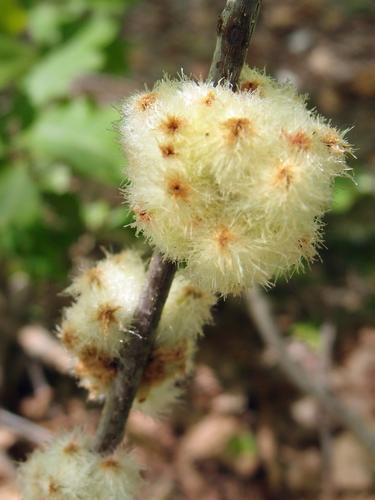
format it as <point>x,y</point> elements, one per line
<point>81,135</point>
<point>345,194</point>
<point>366,183</point>
<point>44,23</point>
<point>19,198</point>
<point>13,17</point>
<point>308,333</point>
<point>95,214</point>
<point>55,178</point>
<point>15,59</point>
<point>242,444</point>
<point>54,74</point>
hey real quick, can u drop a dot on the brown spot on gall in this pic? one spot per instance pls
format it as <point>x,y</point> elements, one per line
<point>302,243</point>
<point>167,150</point>
<point>334,142</point>
<point>178,188</point>
<point>224,237</point>
<point>193,292</point>
<point>53,486</point>
<point>106,316</point>
<point>209,98</point>
<point>236,128</point>
<point>94,276</point>
<point>163,363</point>
<point>68,337</point>
<point>110,463</point>
<point>283,176</point>
<point>171,125</point>
<point>298,139</point>
<point>96,364</point>
<point>146,100</point>
<point>142,215</point>
<point>71,448</point>
<point>249,86</point>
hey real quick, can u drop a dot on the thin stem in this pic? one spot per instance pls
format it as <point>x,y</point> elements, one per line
<point>261,314</point>
<point>134,355</point>
<point>25,428</point>
<point>235,27</point>
<point>238,21</point>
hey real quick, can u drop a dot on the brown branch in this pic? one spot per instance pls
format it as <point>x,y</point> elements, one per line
<point>261,314</point>
<point>134,355</point>
<point>238,21</point>
<point>235,26</point>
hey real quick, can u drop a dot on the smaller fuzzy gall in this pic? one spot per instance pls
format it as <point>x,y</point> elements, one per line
<point>230,183</point>
<point>68,469</point>
<point>98,323</point>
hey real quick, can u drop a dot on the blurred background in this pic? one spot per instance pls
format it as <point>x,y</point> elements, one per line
<point>244,431</point>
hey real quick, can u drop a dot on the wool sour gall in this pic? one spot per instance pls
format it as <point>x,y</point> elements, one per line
<point>98,323</point>
<point>232,184</point>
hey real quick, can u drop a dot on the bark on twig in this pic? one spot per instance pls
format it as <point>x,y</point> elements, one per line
<point>134,355</point>
<point>238,21</point>
<point>260,312</point>
<point>234,29</point>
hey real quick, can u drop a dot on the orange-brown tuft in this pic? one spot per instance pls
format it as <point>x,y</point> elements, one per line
<point>306,245</point>
<point>249,86</point>
<point>236,128</point>
<point>96,364</point>
<point>142,215</point>
<point>106,316</point>
<point>94,276</point>
<point>224,237</point>
<point>284,176</point>
<point>71,448</point>
<point>172,124</point>
<point>167,150</point>
<point>163,363</point>
<point>178,187</point>
<point>334,142</point>
<point>145,101</point>
<point>209,98</point>
<point>68,337</point>
<point>53,486</point>
<point>110,463</point>
<point>193,292</point>
<point>298,139</point>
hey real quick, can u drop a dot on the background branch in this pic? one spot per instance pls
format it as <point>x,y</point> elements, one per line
<point>235,26</point>
<point>261,314</point>
<point>24,428</point>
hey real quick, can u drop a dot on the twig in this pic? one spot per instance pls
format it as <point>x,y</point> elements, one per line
<point>238,23</point>
<point>39,343</point>
<point>22,427</point>
<point>260,312</point>
<point>134,355</point>
<point>235,26</point>
<point>327,334</point>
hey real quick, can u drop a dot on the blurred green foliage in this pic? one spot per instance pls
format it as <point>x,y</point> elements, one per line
<point>242,444</point>
<point>308,333</point>
<point>60,160</point>
<point>58,151</point>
